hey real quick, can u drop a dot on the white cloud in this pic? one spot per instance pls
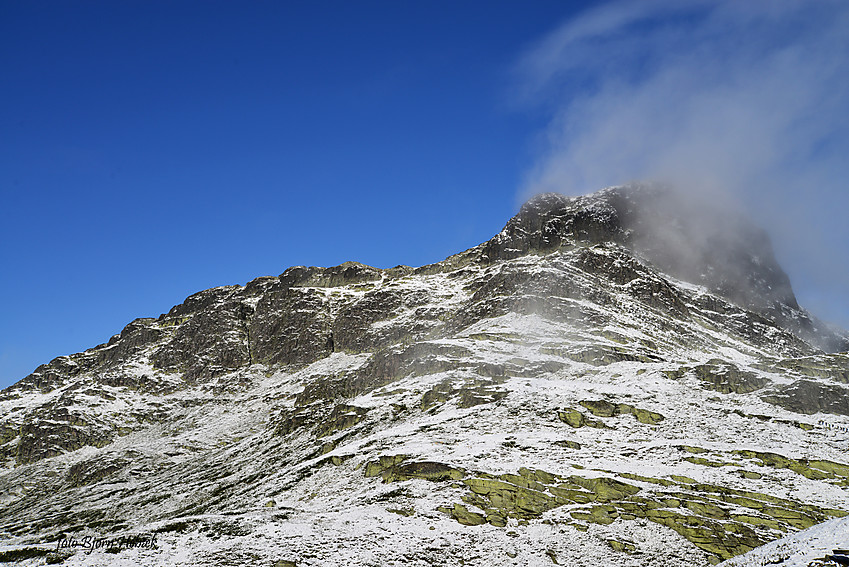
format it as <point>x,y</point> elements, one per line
<point>746,98</point>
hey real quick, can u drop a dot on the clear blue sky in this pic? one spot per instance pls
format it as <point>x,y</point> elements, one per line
<point>149,150</point>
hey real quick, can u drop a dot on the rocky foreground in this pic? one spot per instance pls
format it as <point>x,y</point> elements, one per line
<point>616,379</point>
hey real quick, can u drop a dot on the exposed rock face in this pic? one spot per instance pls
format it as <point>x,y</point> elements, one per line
<point>564,381</point>
<point>809,397</point>
<point>694,241</point>
<point>549,221</point>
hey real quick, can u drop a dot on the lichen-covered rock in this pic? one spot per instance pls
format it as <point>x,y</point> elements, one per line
<point>809,397</point>
<point>576,419</point>
<point>471,394</point>
<point>464,516</point>
<point>384,462</point>
<point>603,408</point>
<point>514,501</point>
<point>394,469</point>
<point>702,513</point>
<point>815,470</point>
<point>342,417</point>
<point>322,419</point>
<point>625,546</point>
<point>605,489</point>
<point>826,366</point>
<point>727,378</point>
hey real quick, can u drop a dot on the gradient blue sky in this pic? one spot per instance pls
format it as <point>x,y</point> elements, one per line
<point>149,150</point>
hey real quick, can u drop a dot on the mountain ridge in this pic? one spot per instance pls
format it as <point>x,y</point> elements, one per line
<point>540,384</point>
<point>541,225</point>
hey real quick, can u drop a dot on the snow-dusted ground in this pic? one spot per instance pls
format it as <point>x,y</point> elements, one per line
<point>800,549</point>
<point>209,469</point>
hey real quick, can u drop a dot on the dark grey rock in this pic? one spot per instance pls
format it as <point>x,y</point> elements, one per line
<point>809,397</point>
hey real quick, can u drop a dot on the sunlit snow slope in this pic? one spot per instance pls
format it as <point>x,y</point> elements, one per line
<point>616,379</point>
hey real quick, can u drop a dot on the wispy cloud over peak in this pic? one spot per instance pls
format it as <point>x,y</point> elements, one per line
<point>747,99</point>
<point>722,92</point>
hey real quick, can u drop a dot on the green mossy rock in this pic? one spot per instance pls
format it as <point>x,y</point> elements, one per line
<point>471,394</point>
<point>624,546</point>
<point>538,475</point>
<point>701,513</point>
<point>603,408</point>
<point>522,481</point>
<point>831,467</point>
<point>646,416</point>
<point>697,512</point>
<point>463,515</point>
<point>604,514</point>
<point>682,479</point>
<point>809,397</point>
<point>425,470</point>
<point>829,366</point>
<point>514,501</point>
<point>794,518</point>
<point>573,418</point>
<point>438,394</point>
<point>706,462</point>
<point>799,466</point>
<point>342,417</point>
<point>726,378</point>
<point>576,419</point>
<point>374,468</point>
<point>496,517</point>
<point>605,489</point>
<point>565,494</point>
<point>706,509</point>
<point>759,521</point>
<point>649,479</point>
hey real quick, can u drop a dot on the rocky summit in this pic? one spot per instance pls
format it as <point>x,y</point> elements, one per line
<point>622,378</point>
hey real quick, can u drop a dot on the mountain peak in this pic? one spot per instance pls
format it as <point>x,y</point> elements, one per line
<point>555,383</point>
<point>687,237</point>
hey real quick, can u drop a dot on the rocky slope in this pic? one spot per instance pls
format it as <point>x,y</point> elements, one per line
<point>620,379</point>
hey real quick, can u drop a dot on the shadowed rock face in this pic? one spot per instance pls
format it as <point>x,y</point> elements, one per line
<point>550,220</point>
<point>565,341</point>
<point>809,397</point>
<point>288,319</point>
<point>692,240</point>
<point>623,238</point>
<point>696,242</point>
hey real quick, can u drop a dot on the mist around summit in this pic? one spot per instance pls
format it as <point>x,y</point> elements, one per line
<point>743,102</point>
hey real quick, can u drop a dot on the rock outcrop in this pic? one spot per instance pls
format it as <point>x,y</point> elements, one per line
<point>580,377</point>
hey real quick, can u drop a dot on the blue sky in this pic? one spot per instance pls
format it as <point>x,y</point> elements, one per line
<point>150,150</point>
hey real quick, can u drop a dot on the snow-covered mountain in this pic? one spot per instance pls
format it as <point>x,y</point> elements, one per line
<point>622,378</point>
